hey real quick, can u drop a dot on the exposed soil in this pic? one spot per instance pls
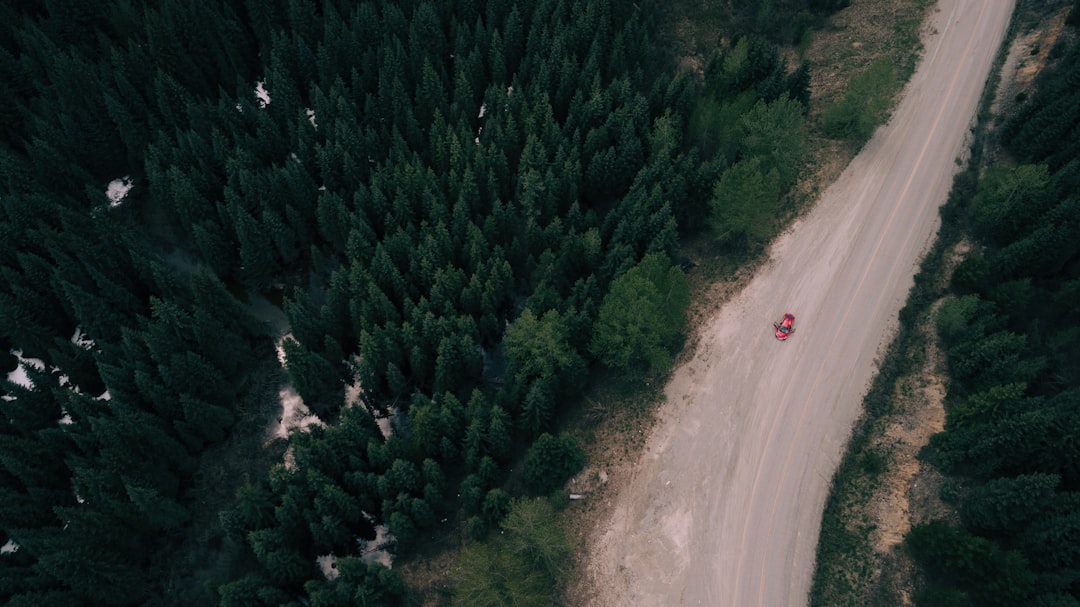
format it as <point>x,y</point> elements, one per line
<point>907,490</point>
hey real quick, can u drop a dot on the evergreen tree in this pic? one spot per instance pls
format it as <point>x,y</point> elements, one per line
<point>743,205</point>
<point>642,316</point>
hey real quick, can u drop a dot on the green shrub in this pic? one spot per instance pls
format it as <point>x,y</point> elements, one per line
<point>551,461</point>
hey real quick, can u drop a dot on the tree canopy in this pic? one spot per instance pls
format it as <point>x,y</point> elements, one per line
<point>1010,333</point>
<point>445,213</point>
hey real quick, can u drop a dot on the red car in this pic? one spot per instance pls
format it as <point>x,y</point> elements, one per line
<point>784,328</point>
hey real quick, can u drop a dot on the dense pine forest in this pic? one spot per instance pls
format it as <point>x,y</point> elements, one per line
<point>462,210</point>
<point>1012,336</point>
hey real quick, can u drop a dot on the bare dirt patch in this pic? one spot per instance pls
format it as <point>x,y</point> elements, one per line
<point>919,401</point>
<point>904,436</point>
<point>908,490</point>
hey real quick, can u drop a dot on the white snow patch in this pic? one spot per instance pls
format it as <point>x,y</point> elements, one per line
<point>80,339</point>
<point>261,94</point>
<point>328,564</point>
<point>352,393</point>
<point>311,116</point>
<point>118,189</point>
<point>483,109</point>
<point>105,396</point>
<point>378,554</point>
<point>18,376</point>
<point>65,419</point>
<point>353,390</point>
<point>9,548</point>
<point>294,413</point>
<point>279,347</point>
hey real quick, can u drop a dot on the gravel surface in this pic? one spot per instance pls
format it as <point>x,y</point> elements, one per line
<point>724,505</point>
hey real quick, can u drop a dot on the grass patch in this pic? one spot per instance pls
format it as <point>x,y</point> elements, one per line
<point>871,68</point>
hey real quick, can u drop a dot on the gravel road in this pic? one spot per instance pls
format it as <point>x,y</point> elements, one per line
<point>723,509</point>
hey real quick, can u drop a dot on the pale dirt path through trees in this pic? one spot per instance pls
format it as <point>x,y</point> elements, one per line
<point>723,509</point>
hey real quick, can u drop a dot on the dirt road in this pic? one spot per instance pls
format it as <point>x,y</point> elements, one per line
<point>725,504</point>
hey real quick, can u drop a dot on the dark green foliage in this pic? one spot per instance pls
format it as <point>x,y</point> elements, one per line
<point>782,20</point>
<point>544,362</point>
<point>970,275</point>
<point>775,132</point>
<point>642,317</point>
<point>1042,129</point>
<point>1046,250</point>
<point>551,461</point>
<point>333,158</point>
<point>993,359</point>
<point>357,583</point>
<point>1009,201</point>
<point>1003,505</point>
<point>523,565</point>
<point>496,505</point>
<point>714,124</point>
<point>990,575</point>
<point>540,348</point>
<point>744,204</point>
<point>1012,406</point>
<point>1051,540</point>
<point>1053,599</point>
<point>249,591</point>
<point>314,377</point>
<point>964,320</point>
<point>941,597</point>
<point>1073,18</point>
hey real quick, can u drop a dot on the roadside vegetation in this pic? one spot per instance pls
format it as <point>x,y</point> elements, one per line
<point>1009,331</point>
<point>484,224</point>
<point>1003,312</point>
<point>465,212</point>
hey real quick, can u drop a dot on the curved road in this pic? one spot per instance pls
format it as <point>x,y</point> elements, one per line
<point>724,507</point>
